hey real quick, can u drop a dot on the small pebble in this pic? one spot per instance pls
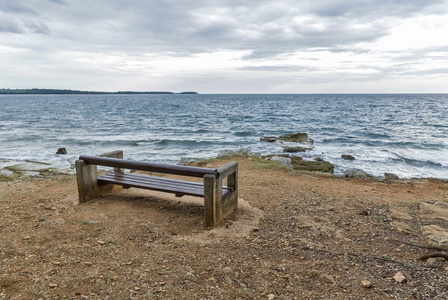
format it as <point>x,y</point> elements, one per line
<point>366,284</point>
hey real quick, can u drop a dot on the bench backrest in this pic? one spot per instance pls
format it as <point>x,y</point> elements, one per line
<point>147,166</point>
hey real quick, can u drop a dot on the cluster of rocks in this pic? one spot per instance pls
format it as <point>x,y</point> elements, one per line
<point>293,143</point>
<point>428,214</point>
<point>289,142</point>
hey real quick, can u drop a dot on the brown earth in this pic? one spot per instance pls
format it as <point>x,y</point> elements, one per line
<point>294,236</point>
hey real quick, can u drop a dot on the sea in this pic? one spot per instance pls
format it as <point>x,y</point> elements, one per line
<point>404,134</point>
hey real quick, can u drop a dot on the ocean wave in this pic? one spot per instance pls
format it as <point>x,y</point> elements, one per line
<point>244,133</point>
<point>418,163</point>
<point>167,142</point>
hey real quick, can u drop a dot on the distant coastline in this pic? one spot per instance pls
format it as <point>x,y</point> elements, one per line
<point>75,92</point>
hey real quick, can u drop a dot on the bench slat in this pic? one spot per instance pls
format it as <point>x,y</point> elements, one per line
<point>175,186</point>
<point>144,177</point>
<point>147,166</point>
<point>151,182</point>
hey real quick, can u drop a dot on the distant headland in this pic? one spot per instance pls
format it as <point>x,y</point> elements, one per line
<point>75,92</point>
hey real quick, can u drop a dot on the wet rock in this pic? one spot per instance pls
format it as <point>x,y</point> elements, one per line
<point>347,157</point>
<point>269,139</point>
<point>61,151</point>
<point>355,173</point>
<point>295,149</point>
<point>318,159</point>
<point>296,138</point>
<point>315,166</point>
<point>390,176</point>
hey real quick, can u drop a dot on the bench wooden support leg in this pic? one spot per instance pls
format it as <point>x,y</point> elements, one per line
<point>209,200</point>
<point>87,178</point>
<point>217,207</point>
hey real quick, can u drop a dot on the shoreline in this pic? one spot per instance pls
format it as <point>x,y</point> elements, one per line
<point>35,169</point>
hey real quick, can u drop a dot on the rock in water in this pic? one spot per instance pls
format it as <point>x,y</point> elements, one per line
<point>296,138</point>
<point>347,157</point>
<point>61,151</point>
<point>269,139</point>
<point>295,149</point>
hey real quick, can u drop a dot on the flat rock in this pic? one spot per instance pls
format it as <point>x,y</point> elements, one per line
<point>436,233</point>
<point>315,166</point>
<point>403,228</point>
<point>433,212</point>
<point>399,212</point>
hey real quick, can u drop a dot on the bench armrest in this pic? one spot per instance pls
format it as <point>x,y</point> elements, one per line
<point>228,169</point>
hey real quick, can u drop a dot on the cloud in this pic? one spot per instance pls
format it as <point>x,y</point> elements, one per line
<point>321,40</point>
<point>9,25</point>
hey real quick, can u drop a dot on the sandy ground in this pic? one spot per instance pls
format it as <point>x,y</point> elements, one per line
<point>294,236</point>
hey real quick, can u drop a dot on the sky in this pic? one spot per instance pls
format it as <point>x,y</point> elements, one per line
<point>228,47</point>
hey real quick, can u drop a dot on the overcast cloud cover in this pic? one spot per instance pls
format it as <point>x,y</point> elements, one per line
<point>234,46</point>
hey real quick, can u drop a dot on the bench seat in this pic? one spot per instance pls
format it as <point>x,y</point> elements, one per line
<point>178,187</point>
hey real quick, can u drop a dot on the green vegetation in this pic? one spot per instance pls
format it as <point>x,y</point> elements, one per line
<point>259,163</point>
<point>73,92</point>
<point>43,91</point>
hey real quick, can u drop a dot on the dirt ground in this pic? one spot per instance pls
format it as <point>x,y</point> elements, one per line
<point>294,236</point>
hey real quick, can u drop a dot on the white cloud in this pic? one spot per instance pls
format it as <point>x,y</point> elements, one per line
<point>225,46</point>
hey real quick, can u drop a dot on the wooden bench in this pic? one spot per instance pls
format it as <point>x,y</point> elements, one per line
<point>219,200</point>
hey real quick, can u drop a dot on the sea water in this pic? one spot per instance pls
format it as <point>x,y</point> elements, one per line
<point>404,134</point>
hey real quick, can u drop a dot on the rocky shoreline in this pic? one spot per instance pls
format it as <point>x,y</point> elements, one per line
<point>292,144</point>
